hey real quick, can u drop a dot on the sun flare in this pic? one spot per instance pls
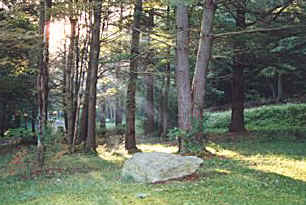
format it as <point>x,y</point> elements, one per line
<point>59,30</point>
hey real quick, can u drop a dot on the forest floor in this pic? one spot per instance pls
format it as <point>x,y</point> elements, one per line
<point>241,172</point>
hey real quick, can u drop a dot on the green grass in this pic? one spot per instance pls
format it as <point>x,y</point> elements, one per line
<point>284,119</point>
<point>250,172</point>
<point>266,168</point>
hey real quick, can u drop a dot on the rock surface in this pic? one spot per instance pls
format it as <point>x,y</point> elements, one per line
<point>152,167</point>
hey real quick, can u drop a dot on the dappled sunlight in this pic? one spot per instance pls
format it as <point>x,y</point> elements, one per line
<point>117,155</point>
<point>272,163</point>
<point>222,171</point>
<point>295,169</point>
<point>120,154</point>
<point>158,148</point>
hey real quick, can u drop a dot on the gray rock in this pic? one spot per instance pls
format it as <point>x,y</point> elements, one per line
<point>141,195</point>
<point>152,167</point>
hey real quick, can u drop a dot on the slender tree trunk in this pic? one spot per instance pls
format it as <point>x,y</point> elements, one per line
<point>165,94</point>
<point>237,117</point>
<point>2,114</point>
<point>42,82</point>
<point>130,141</point>
<point>119,112</point>
<point>94,63</point>
<point>149,80</point>
<point>70,68</point>
<point>203,58</point>
<point>84,114</point>
<point>45,94</point>
<point>166,87</point>
<point>33,119</point>
<point>102,119</point>
<point>149,104</point>
<point>279,87</point>
<point>182,72</point>
<point>84,117</point>
<point>272,90</point>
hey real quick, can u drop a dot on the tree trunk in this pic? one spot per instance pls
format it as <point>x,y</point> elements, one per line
<point>118,111</point>
<point>130,141</point>
<point>42,83</point>
<point>271,85</point>
<point>33,119</point>
<point>182,72</point>
<point>165,94</point>
<point>237,117</point>
<point>2,114</point>
<point>203,58</point>
<point>94,63</point>
<point>102,117</point>
<point>118,104</point>
<point>279,87</point>
<point>48,5</point>
<point>165,89</point>
<point>84,114</point>
<point>84,117</point>
<point>70,68</point>
<point>149,104</point>
<point>149,80</point>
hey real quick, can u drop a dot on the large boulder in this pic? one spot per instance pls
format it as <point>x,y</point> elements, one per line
<point>152,167</point>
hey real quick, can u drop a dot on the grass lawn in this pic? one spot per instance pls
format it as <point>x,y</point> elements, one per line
<point>249,172</point>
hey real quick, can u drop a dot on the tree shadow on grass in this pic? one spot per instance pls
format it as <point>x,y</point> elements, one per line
<point>237,178</point>
<point>286,148</point>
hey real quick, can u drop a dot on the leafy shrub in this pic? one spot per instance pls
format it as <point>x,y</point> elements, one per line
<point>19,133</point>
<point>193,139</point>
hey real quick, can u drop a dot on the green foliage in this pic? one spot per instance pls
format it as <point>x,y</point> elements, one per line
<point>26,134</point>
<point>285,119</point>
<point>194,139</point>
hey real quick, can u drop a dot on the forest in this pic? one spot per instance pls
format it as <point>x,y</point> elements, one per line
<point>85,80</point>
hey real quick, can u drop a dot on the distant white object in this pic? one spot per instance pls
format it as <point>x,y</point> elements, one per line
<point>58,124</point>
<point>152,167</point>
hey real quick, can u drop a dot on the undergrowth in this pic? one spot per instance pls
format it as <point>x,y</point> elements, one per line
<point>288,119</point>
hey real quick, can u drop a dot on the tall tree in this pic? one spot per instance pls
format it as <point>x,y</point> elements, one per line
<point>203,58</point>
<point>149,79</point>
<point>182,70</point>
<point>130,140</point>
<point>93,66</point>
<point>239,61</point>
<point>45,6</point>
<point>118,103</point>
<point>70,69</point>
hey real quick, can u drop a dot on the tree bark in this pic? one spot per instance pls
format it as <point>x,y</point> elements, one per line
<point>2,114</point>
<point>118,109</point>
<point>203,58</point>
<point>149,80</point>
<point>165,89</point>
<point>45,93</point>
<point>130,141</point>
<point>94,63</point>
<point>84,116</point>
<point>237,116</point>
<point>182,72</point>
<point>42,83</point>
<point>70,68</point>
<point>279,87</point>
<point>102,117</point>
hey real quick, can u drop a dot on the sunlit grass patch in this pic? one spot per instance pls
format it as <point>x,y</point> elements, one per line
<point>265,173</point>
